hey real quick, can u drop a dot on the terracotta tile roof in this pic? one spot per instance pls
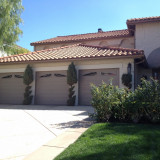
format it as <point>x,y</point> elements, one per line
<point>77,51</point>
<point>143,20</point>
<point>88,36</point>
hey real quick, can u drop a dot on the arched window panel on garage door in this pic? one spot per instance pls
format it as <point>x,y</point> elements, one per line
<point>59,75</point>
<point>45,75</point>
<point>90,74</point>
<point>6,77</point>
<point>108,74</point>
<point>18,76</point>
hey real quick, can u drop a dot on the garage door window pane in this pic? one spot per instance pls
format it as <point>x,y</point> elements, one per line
<point>18,76</point>
<point>107,74</point>
<point>46,75</point>
<point>59,75</point>
<point>90,74</point>
<point>8,76</point>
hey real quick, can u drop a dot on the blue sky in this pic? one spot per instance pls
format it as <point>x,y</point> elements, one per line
<point>45,19</point>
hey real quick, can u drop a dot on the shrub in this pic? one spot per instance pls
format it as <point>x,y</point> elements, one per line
<point>112,103</point>
<point>144,102</point>
<point>108,102</point>
<point>71,80</point>
<point>27,80</point>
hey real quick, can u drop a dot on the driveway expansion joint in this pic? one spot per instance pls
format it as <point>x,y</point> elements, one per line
<point>40,122</point>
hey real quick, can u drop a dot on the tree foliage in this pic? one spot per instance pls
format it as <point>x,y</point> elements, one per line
<point>10,12</point>
<point>16,50</point>
<point>28,79</point>
<point>71,80</point>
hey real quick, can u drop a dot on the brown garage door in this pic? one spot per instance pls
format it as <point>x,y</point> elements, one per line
<point>11,88</point>
<point>96,76</point>
<point>51,88</point>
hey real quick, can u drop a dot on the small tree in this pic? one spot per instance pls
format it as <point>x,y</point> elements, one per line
<point>71,80</point>
<point>27,80</point>
<point>10,19</point>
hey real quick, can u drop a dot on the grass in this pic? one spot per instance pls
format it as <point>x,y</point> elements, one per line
<point>116,141</point>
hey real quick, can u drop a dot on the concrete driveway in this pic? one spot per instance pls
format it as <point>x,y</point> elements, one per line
<point>23,129</point>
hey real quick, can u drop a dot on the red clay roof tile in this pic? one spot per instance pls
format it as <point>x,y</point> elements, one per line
<point>77,51</point>
<point>143,20</point>
<point>88,36</point>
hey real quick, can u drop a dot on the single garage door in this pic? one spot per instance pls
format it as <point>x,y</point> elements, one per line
<point>96,76</point>
<point>51,88</point>
<point>11,88</point>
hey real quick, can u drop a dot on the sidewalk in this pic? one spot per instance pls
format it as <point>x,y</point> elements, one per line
<point>53,148</point>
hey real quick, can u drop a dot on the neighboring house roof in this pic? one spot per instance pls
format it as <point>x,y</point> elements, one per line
<point>77,51</point>
<point>143,20</point>
<point>88,36</point>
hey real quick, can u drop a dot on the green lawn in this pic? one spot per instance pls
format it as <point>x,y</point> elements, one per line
<point>116,141</point>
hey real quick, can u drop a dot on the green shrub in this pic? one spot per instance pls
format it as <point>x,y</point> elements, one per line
<point>71,80</point>
<point>144,102</point>
<point>108,102</point>
<point>112,103</point>
<point>27,80</point>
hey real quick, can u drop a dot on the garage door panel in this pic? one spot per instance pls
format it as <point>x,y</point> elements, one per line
<point>11,88</point>
<point>95,76</point>
<point>52,89</point>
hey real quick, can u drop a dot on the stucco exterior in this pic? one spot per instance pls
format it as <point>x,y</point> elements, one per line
<point>116,42</point>
<point>147,38</point>
<point>120,64</point>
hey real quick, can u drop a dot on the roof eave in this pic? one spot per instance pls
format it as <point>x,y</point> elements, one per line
<point>75,59</point>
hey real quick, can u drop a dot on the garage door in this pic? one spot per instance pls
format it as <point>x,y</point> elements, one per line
<point>96,76</point>
<point>11,88</point>
<point>51,88</point>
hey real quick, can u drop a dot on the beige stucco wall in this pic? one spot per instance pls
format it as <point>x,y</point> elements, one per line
<point>147,38</point>
<point>121,64</point>
<point>116,42</point>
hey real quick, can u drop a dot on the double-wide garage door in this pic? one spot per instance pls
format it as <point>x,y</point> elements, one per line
<point>95,76</point>
<point>51,88</point>
<point>11,88</point>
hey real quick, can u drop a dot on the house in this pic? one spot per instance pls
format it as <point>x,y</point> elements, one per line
<point>98,57</point>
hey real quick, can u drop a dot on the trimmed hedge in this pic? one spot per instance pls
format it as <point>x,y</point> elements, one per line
<point>27,80</point>
<point>71,80</point>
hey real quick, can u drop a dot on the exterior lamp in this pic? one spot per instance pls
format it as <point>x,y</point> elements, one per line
<point>129,68</point>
